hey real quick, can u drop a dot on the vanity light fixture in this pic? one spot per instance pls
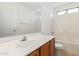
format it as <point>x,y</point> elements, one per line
<point>61,12</point>
<point>72,10</point>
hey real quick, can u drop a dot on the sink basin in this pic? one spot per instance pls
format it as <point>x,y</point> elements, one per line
<point>26,43</point>
<point>31,41</point>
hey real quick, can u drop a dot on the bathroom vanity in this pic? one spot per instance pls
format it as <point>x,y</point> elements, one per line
<point>36,44</point>
<point>48,49</point>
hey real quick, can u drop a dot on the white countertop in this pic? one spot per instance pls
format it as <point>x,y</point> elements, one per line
<point>16,48</point>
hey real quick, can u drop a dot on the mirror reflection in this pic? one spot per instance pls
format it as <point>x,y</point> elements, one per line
<point>18,18</point>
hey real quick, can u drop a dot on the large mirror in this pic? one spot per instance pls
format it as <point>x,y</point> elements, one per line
<point>18,18</point>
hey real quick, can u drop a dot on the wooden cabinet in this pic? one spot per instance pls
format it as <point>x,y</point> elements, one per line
<point>35,53</point>
<point>47,49</point>
<point>53,47</point>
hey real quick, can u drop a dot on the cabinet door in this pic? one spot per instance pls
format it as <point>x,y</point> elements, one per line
<point>45,49</point>
<point>35,53</point>
<point>53,47</point>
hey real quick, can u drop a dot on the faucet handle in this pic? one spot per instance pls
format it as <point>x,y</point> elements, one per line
<point>24,39</point>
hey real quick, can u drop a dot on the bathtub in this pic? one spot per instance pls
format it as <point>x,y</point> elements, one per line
<point>12,46</point>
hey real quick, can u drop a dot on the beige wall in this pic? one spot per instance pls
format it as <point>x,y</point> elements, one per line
<point>67,33</point>
<point>67,23</point>
<point>67,28</point>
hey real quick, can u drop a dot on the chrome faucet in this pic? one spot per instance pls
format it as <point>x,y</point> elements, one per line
<point>24,38</point>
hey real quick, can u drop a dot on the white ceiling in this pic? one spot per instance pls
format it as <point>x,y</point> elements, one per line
<point>31,5</point>
<point>36,5</point>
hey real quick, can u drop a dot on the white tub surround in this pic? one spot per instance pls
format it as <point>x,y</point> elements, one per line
<point>17,48</point>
